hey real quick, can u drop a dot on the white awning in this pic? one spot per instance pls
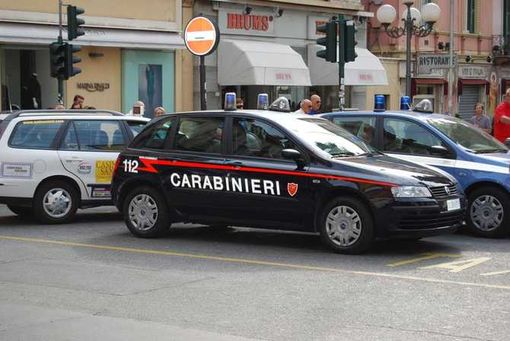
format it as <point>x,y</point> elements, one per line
<point>248,62</point>
<point>17,33</point>
<point>367,69</point>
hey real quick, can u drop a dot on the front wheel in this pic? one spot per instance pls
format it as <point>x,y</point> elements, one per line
<point>146,213</point>
<point>346,226</point>
<point>488,212</point>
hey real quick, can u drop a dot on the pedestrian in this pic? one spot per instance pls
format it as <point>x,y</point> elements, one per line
<point>239,103</point>
<point>502,119</point>
<point>306,106</point>
<point>158,111</point>
<point>78,102</point>
<point>138,109</point>
<point>316,104</point>
<point>480,119</point>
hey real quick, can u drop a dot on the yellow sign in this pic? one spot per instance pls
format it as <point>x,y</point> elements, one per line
<point>104,171</point>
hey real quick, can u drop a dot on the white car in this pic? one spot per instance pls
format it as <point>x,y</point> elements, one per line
<point>54,162</point>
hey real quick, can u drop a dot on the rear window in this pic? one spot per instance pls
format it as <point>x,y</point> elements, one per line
<point>35,134</point>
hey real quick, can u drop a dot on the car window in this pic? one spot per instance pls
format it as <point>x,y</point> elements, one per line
<point>35,134</point>
<point>154,136</point>
<point>90,135</point>
<point>252,137</point>
<point>362,127</point>
<point>200,134</point>
<point>136,126</point>
<point>403,136</point>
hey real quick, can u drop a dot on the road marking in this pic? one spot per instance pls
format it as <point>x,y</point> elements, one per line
<point>460,265</point>
<point>496,273</point>
<point>250,261</point>
<point>423,257</point>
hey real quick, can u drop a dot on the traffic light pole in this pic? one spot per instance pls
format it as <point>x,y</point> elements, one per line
<point>341,63</point>
<point>60,80</point>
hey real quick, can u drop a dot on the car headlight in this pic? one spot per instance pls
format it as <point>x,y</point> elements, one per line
<point>411,192</point>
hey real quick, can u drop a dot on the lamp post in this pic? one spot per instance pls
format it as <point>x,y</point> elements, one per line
<point>412,19</point>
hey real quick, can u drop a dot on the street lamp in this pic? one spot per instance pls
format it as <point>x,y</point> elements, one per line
<point>413,25</point>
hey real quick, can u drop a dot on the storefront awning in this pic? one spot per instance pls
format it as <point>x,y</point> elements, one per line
<point>367,69</point>
<point>247,62</point>
<point>17,33</point>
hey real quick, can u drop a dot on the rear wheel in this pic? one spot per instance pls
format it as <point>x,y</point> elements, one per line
<point>22,211</point>
<point>346,226</point>
<point>489,212</point>
<point>146,213</point>
<point>55,202</point>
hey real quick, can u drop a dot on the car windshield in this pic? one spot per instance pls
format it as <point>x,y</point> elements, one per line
<point>467,135</point>
<point>327,137</point>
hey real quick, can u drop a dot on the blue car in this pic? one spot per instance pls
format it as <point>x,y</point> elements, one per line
<point>479,162</point>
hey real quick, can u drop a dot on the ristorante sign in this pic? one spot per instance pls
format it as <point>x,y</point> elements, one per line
<point>232,21</point>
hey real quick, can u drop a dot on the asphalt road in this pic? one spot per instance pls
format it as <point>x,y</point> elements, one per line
<point>93,280</point>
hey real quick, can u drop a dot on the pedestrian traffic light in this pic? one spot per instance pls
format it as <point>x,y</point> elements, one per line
<point>350,41</point>
<point>57,59</point>
<point>74,29</point>
<point>70,60</point>
<point>329,41</point>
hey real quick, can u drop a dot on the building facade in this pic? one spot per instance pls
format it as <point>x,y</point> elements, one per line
<point>477,26</point>
<point>270,47</point>
<point>131,51</point>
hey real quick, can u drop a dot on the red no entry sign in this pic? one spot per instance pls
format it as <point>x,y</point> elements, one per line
<point>201,36</point>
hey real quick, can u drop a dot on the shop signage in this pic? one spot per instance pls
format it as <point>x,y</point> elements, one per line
<point>313,22</point>
<point>476,72</point>
<point>259,22</point>
<point>428,62</point>
<point>93,87</point>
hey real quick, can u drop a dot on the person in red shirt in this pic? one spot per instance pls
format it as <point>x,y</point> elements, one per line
<point>502,119</point>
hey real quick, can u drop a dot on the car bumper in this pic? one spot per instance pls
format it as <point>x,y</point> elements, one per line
<point>421,219</point>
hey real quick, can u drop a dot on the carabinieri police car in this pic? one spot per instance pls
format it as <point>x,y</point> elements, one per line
<point>264,169</point>
<point>479,162</point>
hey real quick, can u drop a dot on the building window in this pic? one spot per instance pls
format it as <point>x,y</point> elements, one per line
<point>470,20</point>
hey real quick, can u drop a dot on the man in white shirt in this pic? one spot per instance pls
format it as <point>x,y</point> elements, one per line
<point>305,107</point>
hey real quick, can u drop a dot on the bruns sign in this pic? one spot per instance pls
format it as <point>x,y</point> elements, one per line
<point>237,21</point>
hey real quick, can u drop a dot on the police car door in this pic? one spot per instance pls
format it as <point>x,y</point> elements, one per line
<point>261,185</point>
<point>410,141</point>
<point>89,150</point>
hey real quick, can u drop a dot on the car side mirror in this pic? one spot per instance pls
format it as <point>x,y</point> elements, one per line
<point>291,154</point>
<point>507,142</point>
<point>439,150</point>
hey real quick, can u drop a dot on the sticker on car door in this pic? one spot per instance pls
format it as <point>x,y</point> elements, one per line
<point>104,171</point>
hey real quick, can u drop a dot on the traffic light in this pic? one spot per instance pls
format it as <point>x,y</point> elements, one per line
<point>74,29</point>
<point>350,41</point>
<point>70,60</point>
<point>57,59</point>
<point>329,41</point>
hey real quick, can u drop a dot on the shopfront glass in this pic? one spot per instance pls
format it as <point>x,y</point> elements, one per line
<point>148,76</point>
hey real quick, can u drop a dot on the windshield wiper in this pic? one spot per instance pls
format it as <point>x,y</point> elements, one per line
<point>493,150</point>
<point>343,154</point>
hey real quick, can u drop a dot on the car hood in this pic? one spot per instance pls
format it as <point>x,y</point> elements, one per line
<point>501,158</point>
<point>396,170</point>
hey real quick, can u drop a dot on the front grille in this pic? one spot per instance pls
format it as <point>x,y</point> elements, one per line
<point>445,191</point>
<point>429,220</point>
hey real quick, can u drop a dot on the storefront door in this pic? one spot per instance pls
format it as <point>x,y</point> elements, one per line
<point>148,76</point>
<point>470,96</point>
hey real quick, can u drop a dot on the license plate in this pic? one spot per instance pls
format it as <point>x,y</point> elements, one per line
<point>452,204</point>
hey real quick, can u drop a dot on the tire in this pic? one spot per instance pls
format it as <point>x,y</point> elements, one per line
<point>146,213</point>
<point>21,211</point>
<point>55,202</point>
<point>488,213</point>
<point>346,226</point>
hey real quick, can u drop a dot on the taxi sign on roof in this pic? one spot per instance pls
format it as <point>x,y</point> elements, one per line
<point>201,36</point>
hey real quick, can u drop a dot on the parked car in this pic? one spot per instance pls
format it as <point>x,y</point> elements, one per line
<point>281,171</point>
<point>54,162</point>
<point>479,162</point>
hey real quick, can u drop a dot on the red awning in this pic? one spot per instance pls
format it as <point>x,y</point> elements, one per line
<point>463,81</point>
<point>431,81</point>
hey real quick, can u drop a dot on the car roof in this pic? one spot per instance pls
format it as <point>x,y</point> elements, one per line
<point>408,114</point>
<point>74,114</point>
<point>275,116</point>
